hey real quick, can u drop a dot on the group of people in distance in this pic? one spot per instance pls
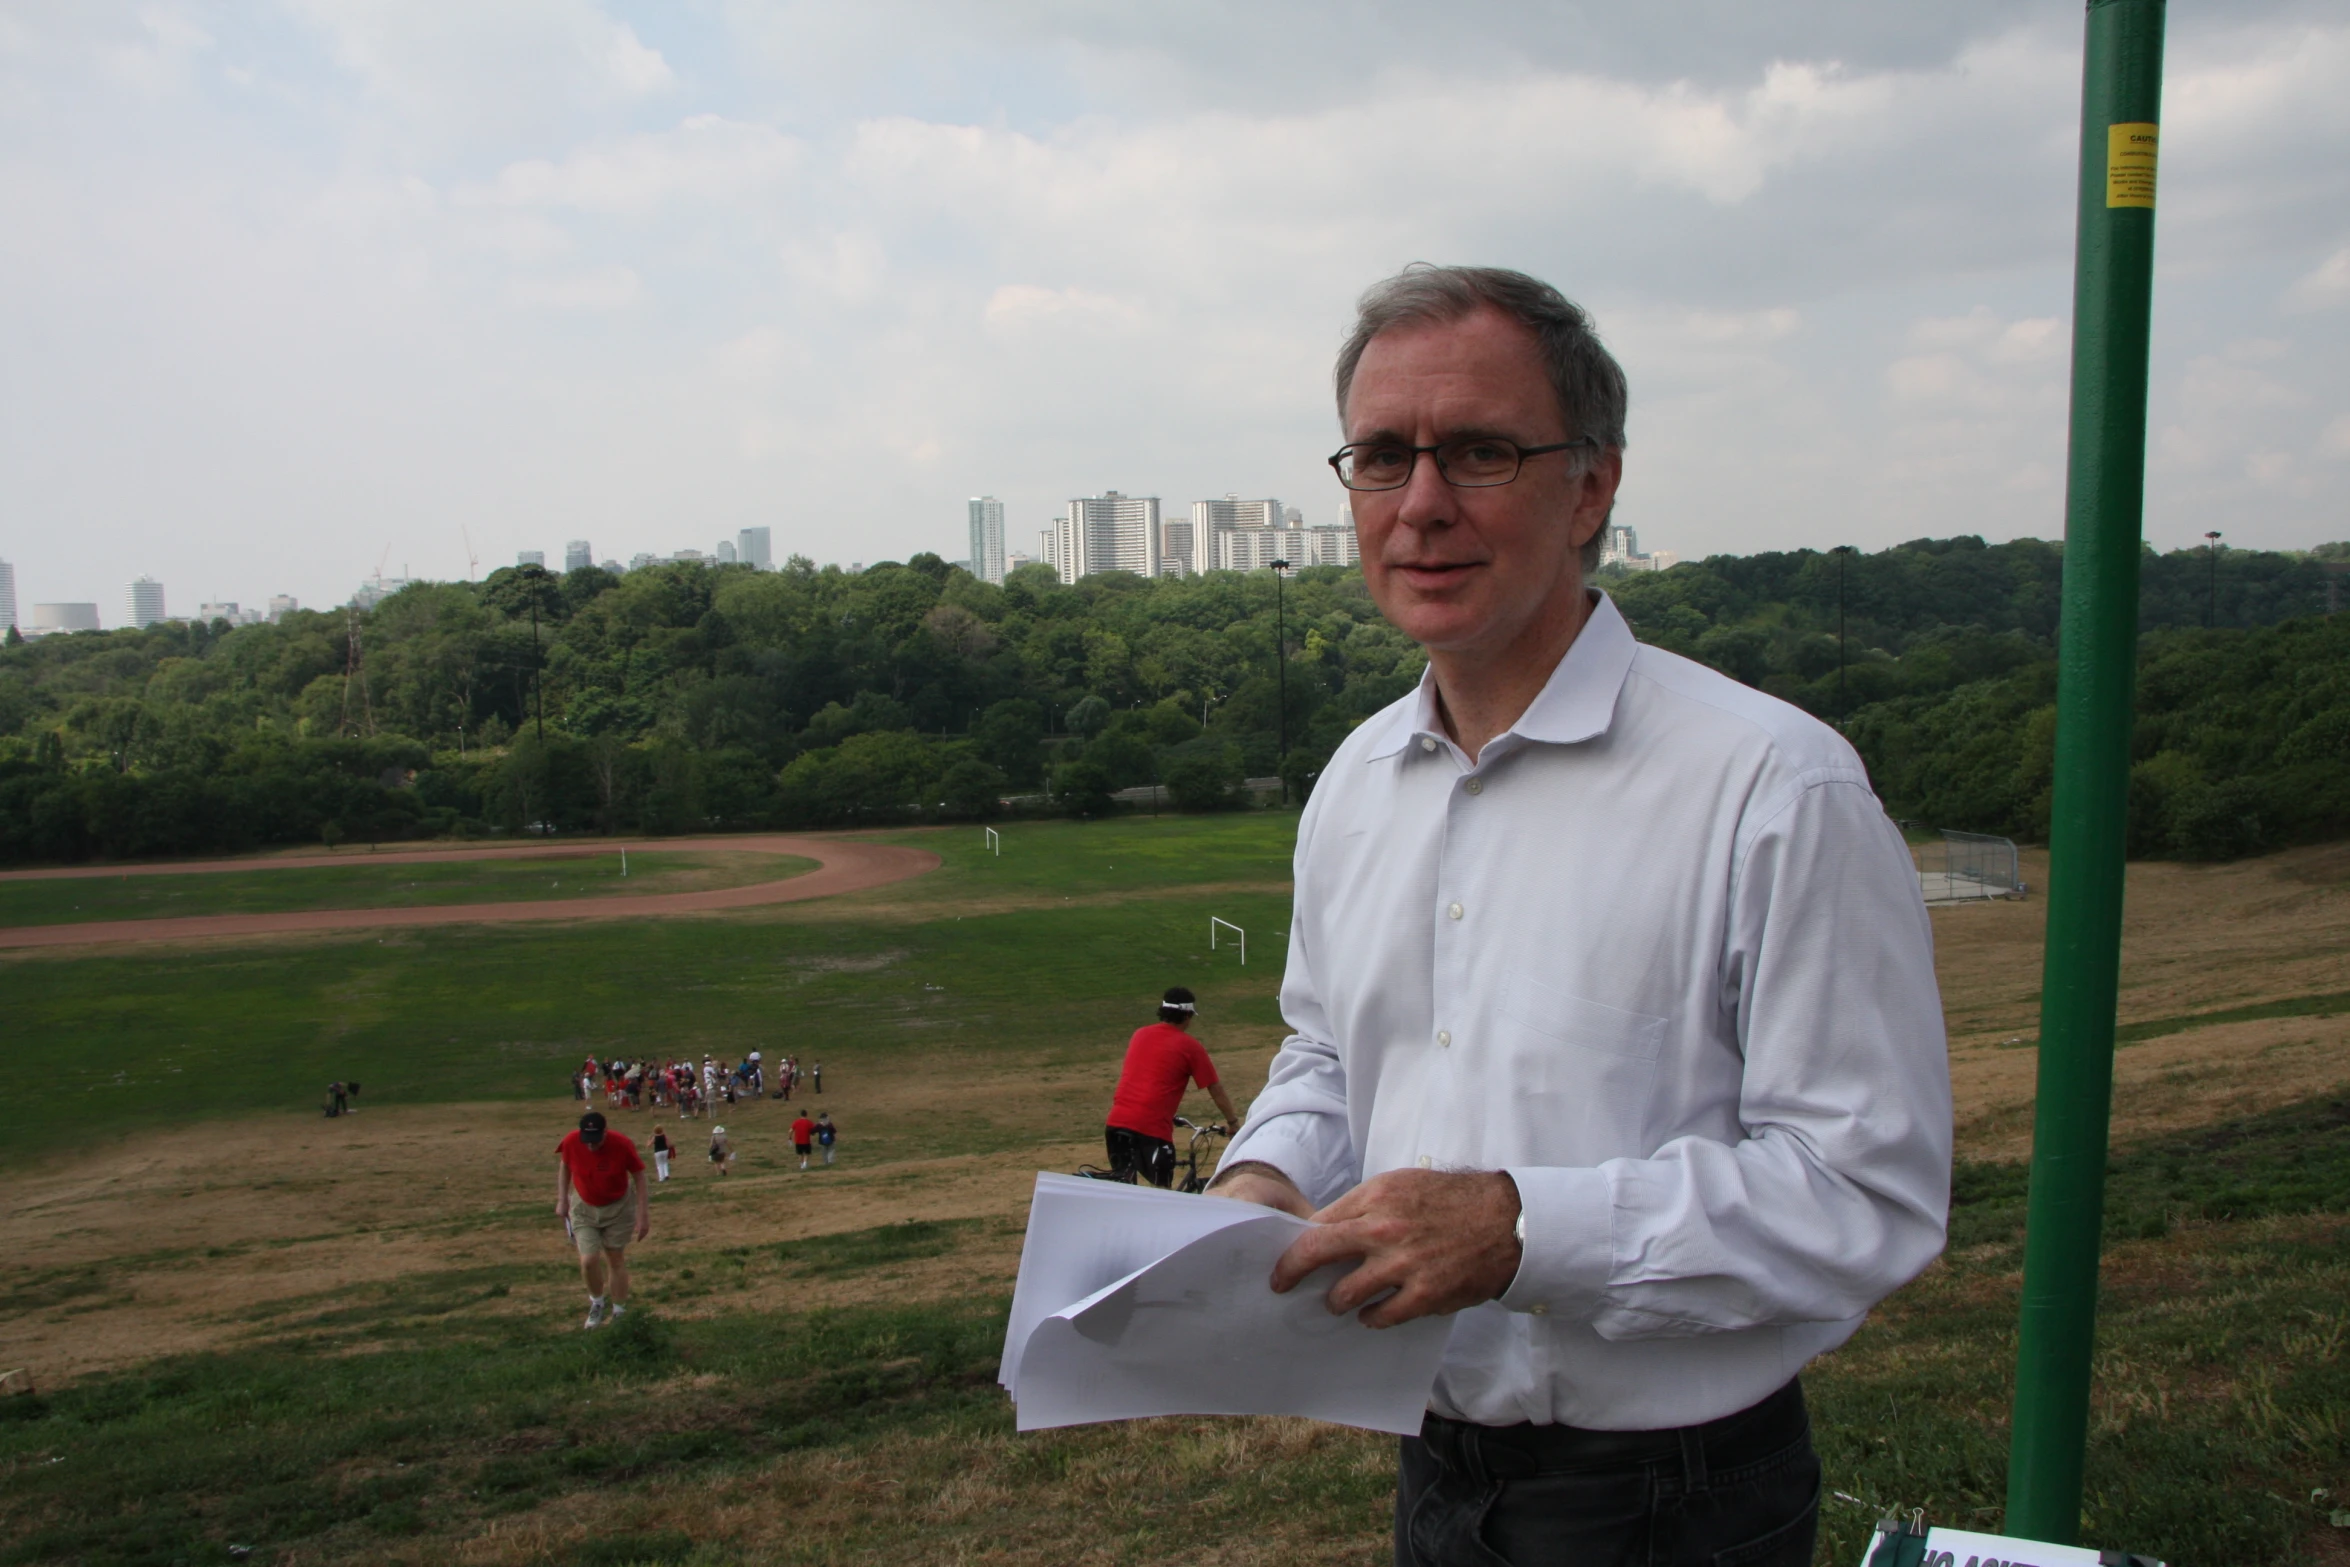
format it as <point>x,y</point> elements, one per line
<point>602,1195</point>
<point>679,1085</point>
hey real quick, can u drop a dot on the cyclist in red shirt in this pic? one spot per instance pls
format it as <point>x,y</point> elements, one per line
<point>1161,1061</point>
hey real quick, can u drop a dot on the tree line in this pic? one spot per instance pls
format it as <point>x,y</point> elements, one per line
<point>684,698</point>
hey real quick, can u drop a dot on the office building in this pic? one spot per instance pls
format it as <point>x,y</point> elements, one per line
<point>50,619</point>
<point>536,558</point>
<point>1620,546</point>
<point>1107,532</point>
<point>376,589</point>
<point>577,556</point>
<point>755,548</point>
<point>1015,560</point>
<point>614,567</point>
<point>206,614</point>
<point>7,596</point>
<point>143,603</point>
<point>640,560</point>
<point>726,555</point>
<point>281,605</point>
<point>987,538</point>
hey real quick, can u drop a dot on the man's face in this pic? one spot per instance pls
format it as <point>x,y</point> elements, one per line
<point>1480,572</point>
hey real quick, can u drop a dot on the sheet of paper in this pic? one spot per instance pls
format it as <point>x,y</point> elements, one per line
<point>1190,1325</point>
<point>1084,1235</point>
<point>1964,1548</point>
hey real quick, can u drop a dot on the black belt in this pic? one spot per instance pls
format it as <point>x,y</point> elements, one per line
<point>1519,1452</point>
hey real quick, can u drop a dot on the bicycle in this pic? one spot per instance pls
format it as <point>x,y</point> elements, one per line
<point>1192,1180</point>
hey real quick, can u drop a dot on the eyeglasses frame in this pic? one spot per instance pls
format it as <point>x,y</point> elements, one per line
<point>1524,452</point>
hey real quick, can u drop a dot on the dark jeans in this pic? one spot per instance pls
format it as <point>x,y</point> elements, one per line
<point>1153,1158</point>
<point>1741,1491</point>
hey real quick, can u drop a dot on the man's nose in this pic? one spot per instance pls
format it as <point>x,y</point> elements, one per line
<point>1427,499</point>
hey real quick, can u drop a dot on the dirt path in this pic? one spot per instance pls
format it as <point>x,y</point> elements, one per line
<point>843,865</point>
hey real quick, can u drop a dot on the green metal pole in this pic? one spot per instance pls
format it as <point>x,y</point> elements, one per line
<point>2113,280</point>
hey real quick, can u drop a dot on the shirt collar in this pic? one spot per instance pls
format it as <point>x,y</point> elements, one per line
<point>1576,703</point>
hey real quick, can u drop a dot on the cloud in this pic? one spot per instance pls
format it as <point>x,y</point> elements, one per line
<point>2325,286</point>
<point>605,288</point>
<point>705,160</point>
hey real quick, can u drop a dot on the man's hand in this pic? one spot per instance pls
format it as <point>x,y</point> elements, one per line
<point>644,1224</point>
<point>563,1212</point>
<point>1441,1242</point>
<point>1261,1184</point>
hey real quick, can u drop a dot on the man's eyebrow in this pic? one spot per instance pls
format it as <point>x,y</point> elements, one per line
<point>1467,432</point>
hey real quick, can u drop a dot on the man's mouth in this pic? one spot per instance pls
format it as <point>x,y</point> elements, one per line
<point>1434,572</point>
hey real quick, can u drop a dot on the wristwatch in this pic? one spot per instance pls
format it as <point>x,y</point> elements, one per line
<point>1520,1230</point>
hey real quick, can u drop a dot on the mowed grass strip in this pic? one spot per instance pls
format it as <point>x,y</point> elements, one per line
<point>359,885</point>
<point>425,1419</point>
<point>468,1013</point>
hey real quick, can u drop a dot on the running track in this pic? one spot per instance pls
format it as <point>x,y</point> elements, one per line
<point>842,865</point>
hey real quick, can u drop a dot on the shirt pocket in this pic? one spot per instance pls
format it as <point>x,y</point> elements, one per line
<point>1584,1074</point>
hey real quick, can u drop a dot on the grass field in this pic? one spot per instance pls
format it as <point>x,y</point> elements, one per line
<point>355,1341</point>
<point>360,885</point>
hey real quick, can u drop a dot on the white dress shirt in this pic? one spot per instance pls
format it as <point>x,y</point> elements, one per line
<point>1659,954</point>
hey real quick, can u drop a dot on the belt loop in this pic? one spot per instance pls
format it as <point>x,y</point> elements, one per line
<point>1693,1473</point>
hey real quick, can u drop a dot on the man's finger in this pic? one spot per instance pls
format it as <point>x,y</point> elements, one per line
<point>1316,1248</point>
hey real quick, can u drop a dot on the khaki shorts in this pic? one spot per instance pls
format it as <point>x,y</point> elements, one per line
<point>609,1228</point>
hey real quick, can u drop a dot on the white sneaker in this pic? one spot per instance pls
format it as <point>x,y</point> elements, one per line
<point>618,1311</point>
<point>596,1316</point>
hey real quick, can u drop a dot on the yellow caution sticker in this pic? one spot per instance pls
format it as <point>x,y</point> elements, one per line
<point>2129,164</point>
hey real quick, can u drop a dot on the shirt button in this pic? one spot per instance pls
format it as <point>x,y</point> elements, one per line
<point>1444,1037</point>
<point>1454,911</point>
<point>1424,1161</point>
<point>1476,786</point>
<point>1427,742</point>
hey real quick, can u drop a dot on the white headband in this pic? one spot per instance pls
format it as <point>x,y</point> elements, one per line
<point>1179,1006</point>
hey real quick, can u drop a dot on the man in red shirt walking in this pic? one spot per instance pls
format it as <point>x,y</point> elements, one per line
<point>600,1197</point>
<point>803,1134</point>
<point>1161,1061</point>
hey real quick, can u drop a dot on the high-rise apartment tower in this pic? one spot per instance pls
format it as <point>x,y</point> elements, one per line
<point>7,596</point>
<point>987,538</point>
<point>144,602</point>
<point>755,548</point>
<point>577,556</point>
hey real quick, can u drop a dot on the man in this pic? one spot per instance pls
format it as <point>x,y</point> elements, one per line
<point>803,1137</point>
<point>601,1198</point>
<point>1615,1031</point>
<point>827,1134</point>
<point>1161,1061</point>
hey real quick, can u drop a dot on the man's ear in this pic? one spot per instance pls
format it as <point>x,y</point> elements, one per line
<point>1595,496</point>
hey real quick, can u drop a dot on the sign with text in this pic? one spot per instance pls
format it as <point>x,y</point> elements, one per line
<point>1963,1548</point>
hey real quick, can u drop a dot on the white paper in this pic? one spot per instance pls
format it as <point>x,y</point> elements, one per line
<point>1135,1302</point>
<point>1967,1549</point>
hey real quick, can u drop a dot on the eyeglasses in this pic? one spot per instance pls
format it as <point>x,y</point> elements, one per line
<point>1470,462</point>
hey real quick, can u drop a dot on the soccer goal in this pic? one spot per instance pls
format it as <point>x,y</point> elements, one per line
<point>993,840</point>
<point>1968,867</point>
<point>1216,926</point>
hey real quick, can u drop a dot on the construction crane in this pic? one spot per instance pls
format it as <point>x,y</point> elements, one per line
<point>472,561</point>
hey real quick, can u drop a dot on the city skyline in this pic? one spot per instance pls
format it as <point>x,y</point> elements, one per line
<point>292,291</point>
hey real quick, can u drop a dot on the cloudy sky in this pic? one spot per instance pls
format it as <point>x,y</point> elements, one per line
<point>288,290</point>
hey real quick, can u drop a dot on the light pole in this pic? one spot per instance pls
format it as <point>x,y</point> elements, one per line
<point>2211,602</point>
<point>1842,552</point>
<point>1281,671</point>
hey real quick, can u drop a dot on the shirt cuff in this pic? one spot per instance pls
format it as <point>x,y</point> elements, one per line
<point>1298,1144</point>
<point>1569,1254</point>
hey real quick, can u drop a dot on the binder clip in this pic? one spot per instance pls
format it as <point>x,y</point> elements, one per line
<point>1900,1544</point>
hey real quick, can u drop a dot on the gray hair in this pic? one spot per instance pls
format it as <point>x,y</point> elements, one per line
<point>1590,384</point>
